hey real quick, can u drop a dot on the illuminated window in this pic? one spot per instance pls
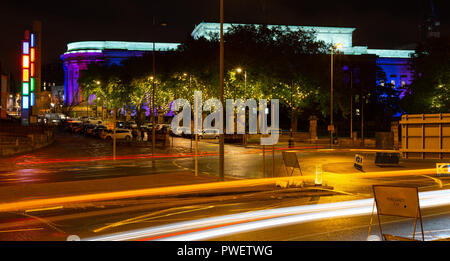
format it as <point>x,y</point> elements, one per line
<point>26,61</point>
<point>26,48</point>
<point>25,102</point>
<point>32,40</point>
<point>32,54</point>
<point>403,83</point>
<point>32,99</point>
<point>32,69</point>
<point>393,83</point>
<point>25,88</point>
<point>26,75</point>
<point>32,84</point>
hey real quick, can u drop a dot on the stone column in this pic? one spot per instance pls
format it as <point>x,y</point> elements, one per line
<point>313,127</point>
<point>394,130</point>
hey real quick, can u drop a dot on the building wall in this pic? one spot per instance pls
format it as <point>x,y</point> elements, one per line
<point>397,71</point>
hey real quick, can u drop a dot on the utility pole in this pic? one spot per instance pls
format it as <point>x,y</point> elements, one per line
<point>221,136</point>
<point>153,92</point>
<point>362,119</point>
<point>331,103</point>
<point>351,104</point>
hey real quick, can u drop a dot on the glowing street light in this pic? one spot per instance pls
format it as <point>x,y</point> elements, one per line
<point>239,70</point>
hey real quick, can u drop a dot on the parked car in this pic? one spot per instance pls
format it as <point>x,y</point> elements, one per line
<point>75,127</point>
<point>180,131</point>
<point>120,124</point>
<point>98,130</point>
<point>209,134</point>
<point>130,125</point>
<point>88,129</point>
<point>120,134</point>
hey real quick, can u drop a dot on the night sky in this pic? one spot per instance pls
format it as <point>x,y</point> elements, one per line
<point>380,24</point>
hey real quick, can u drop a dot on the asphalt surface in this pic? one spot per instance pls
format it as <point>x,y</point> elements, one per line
<point>74,158</point>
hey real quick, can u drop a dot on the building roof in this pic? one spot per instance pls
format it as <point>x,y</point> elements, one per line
<point>330,35</point>
<point>96,46</point>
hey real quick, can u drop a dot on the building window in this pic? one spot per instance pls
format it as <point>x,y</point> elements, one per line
<point>393,83</point>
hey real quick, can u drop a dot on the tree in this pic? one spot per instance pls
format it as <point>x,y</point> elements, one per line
<point>431,66</point>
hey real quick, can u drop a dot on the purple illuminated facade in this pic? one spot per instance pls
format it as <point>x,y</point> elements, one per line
<point>398,72</point>
<point>77,61</point>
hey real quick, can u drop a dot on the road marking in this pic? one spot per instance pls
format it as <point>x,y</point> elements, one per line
<point>21,230</point>
<point>438,181</point>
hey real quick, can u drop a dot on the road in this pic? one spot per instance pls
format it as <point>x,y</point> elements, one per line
<point>74,158</point>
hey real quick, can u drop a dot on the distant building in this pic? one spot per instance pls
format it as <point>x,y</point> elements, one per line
<point>79,54</point>
<point>393,62</point>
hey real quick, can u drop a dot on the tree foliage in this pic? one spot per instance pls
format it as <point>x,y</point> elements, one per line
<point>429,93</point>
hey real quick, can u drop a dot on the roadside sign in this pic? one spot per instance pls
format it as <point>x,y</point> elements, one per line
<point>399,202</point>
<point>290,160</point>
<point>359,159</point>
<point>330,127</point>
<point>443,169</point>
<point>396,201</point>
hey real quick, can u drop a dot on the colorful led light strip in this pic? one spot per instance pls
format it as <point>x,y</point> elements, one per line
<point>28,70</point>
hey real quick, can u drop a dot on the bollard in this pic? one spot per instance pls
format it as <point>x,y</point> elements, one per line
<point>319,172</point>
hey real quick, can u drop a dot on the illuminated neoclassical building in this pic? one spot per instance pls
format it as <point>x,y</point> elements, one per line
<point>79,54</point>
<point>393,62</point>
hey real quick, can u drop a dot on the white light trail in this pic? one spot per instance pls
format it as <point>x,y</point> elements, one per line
<point>207,228</point>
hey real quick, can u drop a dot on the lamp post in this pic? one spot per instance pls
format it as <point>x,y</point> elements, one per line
<point>331,127</point>
<point>239,70</point>
<point>351,104</point>
<point>154,87</point>
<point>221,65</point>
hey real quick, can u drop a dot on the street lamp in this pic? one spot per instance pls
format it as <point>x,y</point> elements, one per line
<point>331,127</point>
<point>195,130</point>
<point>153,86</point>
<point>221,67</point>
<point>239,70</point>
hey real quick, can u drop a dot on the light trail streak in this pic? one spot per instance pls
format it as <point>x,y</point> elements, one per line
<point>170,190</point>
<point>208,228</point>
<point>107,158</point>
<point>21,230</point>
<point>43,209</point>
<point>146,156</point>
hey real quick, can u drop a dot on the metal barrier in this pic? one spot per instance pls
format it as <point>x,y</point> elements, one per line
<point>426,136</point>
<point>387,158</point>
